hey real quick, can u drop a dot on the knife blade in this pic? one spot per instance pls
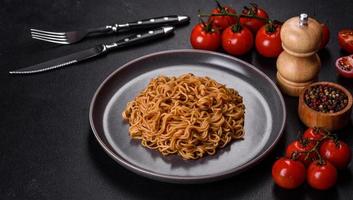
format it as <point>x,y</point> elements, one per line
<point>94,51</point>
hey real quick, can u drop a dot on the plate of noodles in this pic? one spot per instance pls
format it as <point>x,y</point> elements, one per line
<point>187,116</point>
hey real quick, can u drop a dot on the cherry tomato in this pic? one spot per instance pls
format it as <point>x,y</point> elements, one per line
<point>252,23</point>
<point>345,40</point>
<point>204,36</point>
<point>222,22</point>
<point>299,146</point>
<point>288,173</point>
<point>268,41</point>
<point>339,154</point>
<point>344,66</point>
<point>314,133</point>
<point>237,40</point>
<point>321,176</point>
<point>325,36</point>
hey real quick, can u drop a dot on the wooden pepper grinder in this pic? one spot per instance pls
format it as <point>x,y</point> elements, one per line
<point>298,65</point>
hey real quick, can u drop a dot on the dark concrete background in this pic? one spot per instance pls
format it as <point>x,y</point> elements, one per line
<point>47,149</point>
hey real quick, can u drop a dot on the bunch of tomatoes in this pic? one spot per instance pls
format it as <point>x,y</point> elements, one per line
<point>237,33</point>
<point>315,157</point>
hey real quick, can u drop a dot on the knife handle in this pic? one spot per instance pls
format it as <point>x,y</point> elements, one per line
<point>139,38</point>
<point>141,24</point>
<point>151,23</point>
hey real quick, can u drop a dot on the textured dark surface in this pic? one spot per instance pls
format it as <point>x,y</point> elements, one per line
<point>47,150</point>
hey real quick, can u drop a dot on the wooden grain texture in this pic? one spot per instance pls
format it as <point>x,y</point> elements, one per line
<point>301,41</point>
<point>291,88</point>
<point>298,65</point>
<point>298,69</point>
<point>329,121</point>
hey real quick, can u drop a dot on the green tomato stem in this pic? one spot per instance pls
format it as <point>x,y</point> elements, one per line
<point>238,16</point>
<point>220,7</point>
<point>256,17</point>
<point>315,148</point>
<point>270,27</point>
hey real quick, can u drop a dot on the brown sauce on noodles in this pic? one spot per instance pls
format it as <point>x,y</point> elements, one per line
<point>187,115</point>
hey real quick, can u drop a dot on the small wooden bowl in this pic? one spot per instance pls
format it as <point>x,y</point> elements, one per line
<point>329,121</point>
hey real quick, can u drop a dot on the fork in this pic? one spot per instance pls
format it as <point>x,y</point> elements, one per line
<point>75,36</point>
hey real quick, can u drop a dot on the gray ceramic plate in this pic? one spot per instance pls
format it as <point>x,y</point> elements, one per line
<point>264,119</point>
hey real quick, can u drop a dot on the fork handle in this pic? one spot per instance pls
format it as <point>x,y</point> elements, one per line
<point>171,20</point>
<point>139,38</point>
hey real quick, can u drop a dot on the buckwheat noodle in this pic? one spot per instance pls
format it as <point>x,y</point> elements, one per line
<point>187,115</point>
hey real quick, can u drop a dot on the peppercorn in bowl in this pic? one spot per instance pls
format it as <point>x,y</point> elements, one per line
<point>326,105</point>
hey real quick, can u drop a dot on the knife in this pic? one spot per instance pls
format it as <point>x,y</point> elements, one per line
<point>171,20</point>
<point>94,51</point>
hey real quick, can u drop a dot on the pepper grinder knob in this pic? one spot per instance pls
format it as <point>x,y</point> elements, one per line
<point>303,19</point>
<point>301,35</point>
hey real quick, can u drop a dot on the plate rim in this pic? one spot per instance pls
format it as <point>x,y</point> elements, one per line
<point>185,179</point>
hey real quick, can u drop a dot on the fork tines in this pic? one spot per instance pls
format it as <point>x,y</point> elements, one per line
<point>55,37</point>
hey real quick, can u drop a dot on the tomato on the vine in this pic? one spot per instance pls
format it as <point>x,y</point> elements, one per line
<point>205,36</point>
<point>300,147</point>
<point>237,40</point>
<point>288,173</point>
<point>314,133</point>
<point>325,36</point>
<point>345,40</point>
<point>338,153</point>
<point>321,176</point>
<point>268,41</point>
<point>252,23</point>
<point>222,22</point>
